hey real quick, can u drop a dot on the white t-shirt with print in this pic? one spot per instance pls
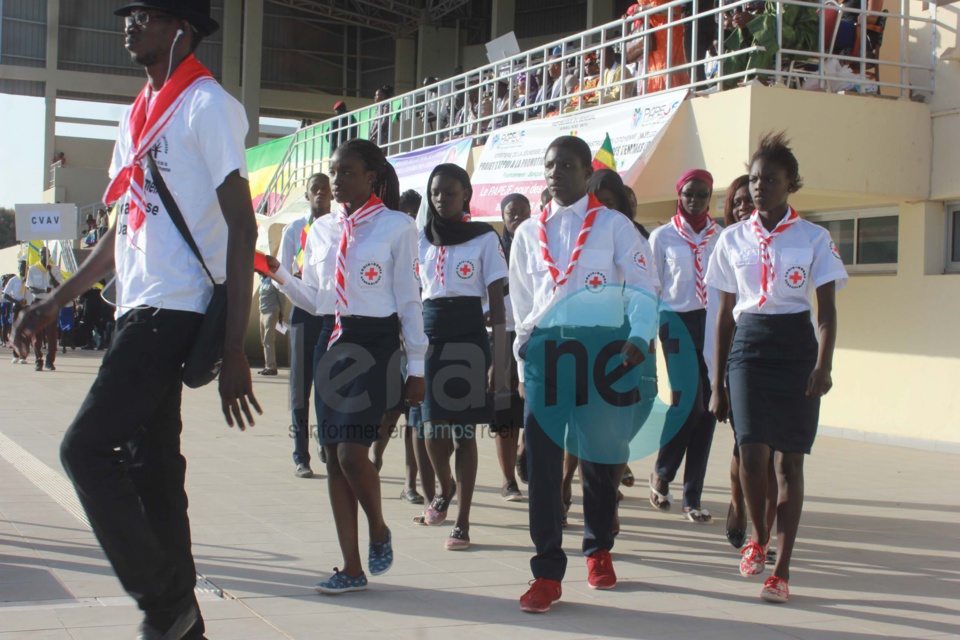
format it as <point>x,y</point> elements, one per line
<point>804,258</point>
<point>469,267</point>
<point>199,148</point>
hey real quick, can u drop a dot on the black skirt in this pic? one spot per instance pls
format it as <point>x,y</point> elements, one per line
<point>455,371</point>
<point>358,379</point>
<point>769,368</point>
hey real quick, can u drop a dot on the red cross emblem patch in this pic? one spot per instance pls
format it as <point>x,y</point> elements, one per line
<point>595,282</point>
<point>836,251</point>
<point>416,268</point>
<point>640,260</point>
<point>465,269</point>
<point>502,254</point>
<point>795,277</point>
<point>371,273</point>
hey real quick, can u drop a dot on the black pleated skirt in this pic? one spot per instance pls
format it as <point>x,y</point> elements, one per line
<point>455,371</point>
<point>357,379</point>
<point>769,368</point>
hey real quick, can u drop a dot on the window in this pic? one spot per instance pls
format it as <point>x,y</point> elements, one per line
<point>953,238</point>
<point>868,240</point>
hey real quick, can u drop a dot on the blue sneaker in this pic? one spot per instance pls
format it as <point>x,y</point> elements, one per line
<point>340,582</point>
<point>381,556</point>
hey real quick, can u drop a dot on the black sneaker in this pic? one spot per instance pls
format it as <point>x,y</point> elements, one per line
<point>183,622</point>
<point>511,492</point>
<point>38,366</point>
<point>50,367</point>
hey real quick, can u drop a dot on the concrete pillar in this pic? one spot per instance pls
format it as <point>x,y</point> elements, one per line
<point>503,20</point>
<point>50,88</point>
<point>405,67</point>
<point>437,53</point>
<point>232,30</point>
<point>599,12</point>
<point>252,51</point>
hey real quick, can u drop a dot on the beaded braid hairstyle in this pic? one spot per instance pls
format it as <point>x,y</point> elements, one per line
<point>387,185</point>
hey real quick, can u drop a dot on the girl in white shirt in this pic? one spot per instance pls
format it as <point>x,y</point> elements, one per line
<point>681,250</point>
<point>767,269</point>
<point>359,272</point>
<point>461,267</point>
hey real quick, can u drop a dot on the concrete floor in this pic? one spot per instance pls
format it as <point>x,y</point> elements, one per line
<point>879,550</point>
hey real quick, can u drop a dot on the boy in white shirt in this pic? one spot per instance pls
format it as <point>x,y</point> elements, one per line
<point>42,279</point>
<point>567,274</point>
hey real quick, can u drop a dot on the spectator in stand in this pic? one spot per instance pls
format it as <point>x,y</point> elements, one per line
<point>800,28</point>
<point>269,317</point>
<point>706,34</point>
<point>90,235</point>
<point>59,159</point>
<point>343,128</point>
<point>42,279</point>
<point>659,57</point>
<point>612,75</point>
<point>590,80</point>
<point>380,128</point>
<point>551,90</point>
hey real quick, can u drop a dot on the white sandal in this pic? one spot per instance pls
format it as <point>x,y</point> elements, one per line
<point>700,516</point>
<point>659,501</point>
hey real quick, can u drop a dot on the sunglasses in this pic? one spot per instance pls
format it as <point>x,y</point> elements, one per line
<point>142,19</point>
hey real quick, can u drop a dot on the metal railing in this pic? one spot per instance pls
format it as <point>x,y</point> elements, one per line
<point>635,56</point>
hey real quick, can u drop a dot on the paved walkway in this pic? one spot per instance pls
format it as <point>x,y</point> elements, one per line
<point>879,552</point>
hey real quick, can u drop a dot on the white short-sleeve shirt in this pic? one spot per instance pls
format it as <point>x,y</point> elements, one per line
<point>676,268</point>
<point>469,268</point>
<point>380,279</point>
<point>614,255</point>
<point>804,258</point>
<point>199,148</point>
<point>15,288</point>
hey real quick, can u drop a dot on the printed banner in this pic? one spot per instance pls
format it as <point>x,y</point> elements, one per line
<point>414,168</point>
<point>512,160</point>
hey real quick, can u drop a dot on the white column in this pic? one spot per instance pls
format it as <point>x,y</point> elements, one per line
<point>405,66</point>
<point>252,50</point>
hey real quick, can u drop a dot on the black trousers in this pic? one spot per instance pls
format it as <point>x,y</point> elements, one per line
<point>122,453</point>
<point>545,470</point>
<point>696,435</point>
<point>304,333</point>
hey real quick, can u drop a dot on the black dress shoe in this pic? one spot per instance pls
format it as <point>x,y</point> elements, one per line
<point>183,623</point>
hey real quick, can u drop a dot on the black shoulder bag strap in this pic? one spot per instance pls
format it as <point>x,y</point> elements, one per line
<point>171,206</point>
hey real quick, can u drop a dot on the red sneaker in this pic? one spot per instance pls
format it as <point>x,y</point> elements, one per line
<point>600,574</point>
<point>542,593</point>
<point>754,559</point>
<point>775,590</point>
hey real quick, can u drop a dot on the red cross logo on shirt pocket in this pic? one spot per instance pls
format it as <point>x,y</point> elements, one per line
<point>465,269</point>
<point>595,282</point>
<point>371,273</point>
<point>795,277</point>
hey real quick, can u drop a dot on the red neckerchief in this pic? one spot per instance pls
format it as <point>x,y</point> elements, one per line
<point>766,271</point>
<point>151,114</point>
<point>697,246</point>
<point>347,224</point>
<point>593,206</point>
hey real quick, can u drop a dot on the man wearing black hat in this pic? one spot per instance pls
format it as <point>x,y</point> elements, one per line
<point>122,451</point>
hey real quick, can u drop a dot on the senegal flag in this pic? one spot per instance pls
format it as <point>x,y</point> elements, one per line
<point>604,158</point>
